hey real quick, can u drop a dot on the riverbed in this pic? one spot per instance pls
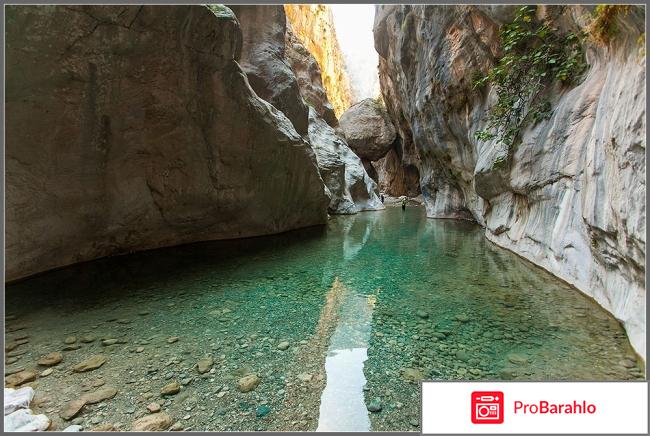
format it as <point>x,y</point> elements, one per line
<point>332,321</point>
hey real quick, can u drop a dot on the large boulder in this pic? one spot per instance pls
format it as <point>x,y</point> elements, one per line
<point>133,127</point>
<point>264,61</point>
<point>368,130</point>
<point>350,187</point>
<point>570,195</point>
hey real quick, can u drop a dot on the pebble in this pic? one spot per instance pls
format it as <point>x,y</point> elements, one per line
<point>71,347</point>
<point>47,372</point>
<point>88,338</point>
<point>90,364</point>
<point>170,389</point>
<point>20,377</point>
<point>304,377</point>
<point>422,314</point>
<point>462,317</point>
<point>262,411</point>
<point>518,359</point>
<point>375,405</point>
<point>172,339</point>
<point>176,427</point>
<point>107,342</point>
<point>153,407</point>
<point>155,422</point>
<point>248,383</point>
<point>139,349</point>
<point>51,359</point>
<point>99,395</point>
<point>204,365</point>
<point>72,409</point>
<point>70,340</point>
<point>283,345</point>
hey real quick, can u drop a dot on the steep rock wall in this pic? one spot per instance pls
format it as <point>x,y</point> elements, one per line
<point>264,62</point>
<point>268,48</point>
<point>309,77</point>
<point>572,197</point>
<point>133,127</point>
<point>313,25</point>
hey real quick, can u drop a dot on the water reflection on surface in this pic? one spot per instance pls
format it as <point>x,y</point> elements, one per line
<point>369,305</point>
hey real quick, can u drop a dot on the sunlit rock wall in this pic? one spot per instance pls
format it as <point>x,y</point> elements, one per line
<point>572,199</point>
<point>313,25</point>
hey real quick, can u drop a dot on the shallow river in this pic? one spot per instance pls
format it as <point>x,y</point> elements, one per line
<point>369,305</point>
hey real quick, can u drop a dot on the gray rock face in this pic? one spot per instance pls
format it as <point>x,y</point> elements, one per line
<point>309,78</point>
<point>368,129</point>
<point>397,176</point>
<point>133,127</point>
<point>572,197</point>
<point>264,62</point>
<point>350,187</point>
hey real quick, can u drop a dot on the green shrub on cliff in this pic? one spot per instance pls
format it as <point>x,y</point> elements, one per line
<point>603,26</point>
<point>535,56</point>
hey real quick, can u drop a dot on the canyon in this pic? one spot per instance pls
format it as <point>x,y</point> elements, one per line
<point>571,197</point>
<point>200,214</point>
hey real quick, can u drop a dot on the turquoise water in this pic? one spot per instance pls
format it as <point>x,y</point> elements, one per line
<point>369,305</point>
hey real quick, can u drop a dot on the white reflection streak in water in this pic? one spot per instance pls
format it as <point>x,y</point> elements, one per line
<point>343,407</point>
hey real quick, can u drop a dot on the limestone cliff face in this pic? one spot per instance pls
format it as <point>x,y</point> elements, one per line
<point>133,127</point>
<point>275,58</point>
<point>313,25</point>
<point>309,77</point>
<point>572,198</point>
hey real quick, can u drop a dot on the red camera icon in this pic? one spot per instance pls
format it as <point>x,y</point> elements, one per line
<point>487,407</point>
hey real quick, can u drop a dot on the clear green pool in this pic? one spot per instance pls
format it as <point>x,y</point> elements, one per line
<point>369,305</point>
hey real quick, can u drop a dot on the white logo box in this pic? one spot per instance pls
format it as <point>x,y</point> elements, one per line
<point>620,407</point>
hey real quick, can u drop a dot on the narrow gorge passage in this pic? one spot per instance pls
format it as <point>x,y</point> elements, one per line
<point>284,217</point>
<point>383,298</point>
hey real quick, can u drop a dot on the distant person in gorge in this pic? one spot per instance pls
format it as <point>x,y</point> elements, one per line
<point>404,203</point>
<point>382,198</point>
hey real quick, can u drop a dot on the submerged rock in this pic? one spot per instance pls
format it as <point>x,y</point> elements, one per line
<point>170,389</point>
<point>204,365</point>
<point>99,395</point>
<point>90,364</point>
<point>72,409</point>
<point>248,383</point>
<point>375,405</point>
<point>20,378</point>
<point>156,422</point>
<point>51,359</point>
